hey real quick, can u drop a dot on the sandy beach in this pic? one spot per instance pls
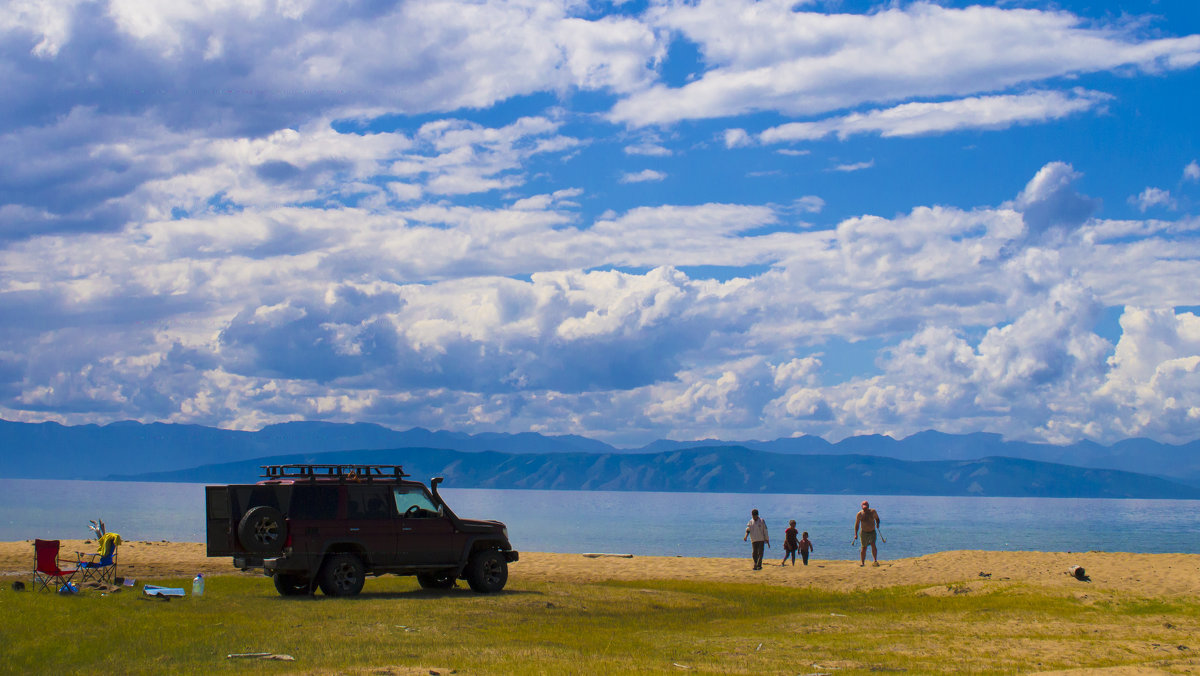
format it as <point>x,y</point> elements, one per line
<point>1110,573</point>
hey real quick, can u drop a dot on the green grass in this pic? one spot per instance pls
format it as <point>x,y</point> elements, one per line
<point>642,627</point>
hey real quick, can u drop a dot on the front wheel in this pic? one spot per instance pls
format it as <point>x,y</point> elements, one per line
<point>487,572</point>
<point>342,575</point>
<point>290,585</point>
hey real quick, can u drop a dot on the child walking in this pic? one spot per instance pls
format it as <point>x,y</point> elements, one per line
<point>790,545</point>
<point>806,546</point>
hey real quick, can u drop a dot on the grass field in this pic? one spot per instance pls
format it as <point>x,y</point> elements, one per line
<point>643,627</point>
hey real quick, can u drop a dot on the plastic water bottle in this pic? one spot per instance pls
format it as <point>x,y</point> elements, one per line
<point>198,585</point>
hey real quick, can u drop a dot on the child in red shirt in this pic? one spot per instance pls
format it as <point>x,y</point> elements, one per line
<point>790,545</point>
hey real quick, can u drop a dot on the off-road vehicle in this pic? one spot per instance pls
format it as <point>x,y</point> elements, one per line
<point>330,526</point>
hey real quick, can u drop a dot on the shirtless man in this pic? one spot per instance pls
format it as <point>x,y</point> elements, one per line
<point>868,521</point>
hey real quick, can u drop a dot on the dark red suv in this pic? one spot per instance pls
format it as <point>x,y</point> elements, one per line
<point>330,526</point>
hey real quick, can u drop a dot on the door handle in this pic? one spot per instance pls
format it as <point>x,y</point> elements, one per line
<point>405,529</point>
<point>353,530</point>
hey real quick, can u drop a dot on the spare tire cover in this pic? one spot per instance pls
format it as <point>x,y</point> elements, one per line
<point>262,529</point>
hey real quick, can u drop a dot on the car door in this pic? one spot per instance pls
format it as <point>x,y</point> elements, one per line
<point>313,521</point>
<point>426,533</point>
<point>371,520</point>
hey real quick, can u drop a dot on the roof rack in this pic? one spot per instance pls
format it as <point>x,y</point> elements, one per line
<point>365,473</point>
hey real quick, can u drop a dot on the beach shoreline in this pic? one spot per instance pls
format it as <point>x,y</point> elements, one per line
<point>1145,575</point>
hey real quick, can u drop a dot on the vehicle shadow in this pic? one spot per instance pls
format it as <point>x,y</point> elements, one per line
<point>440,594</point>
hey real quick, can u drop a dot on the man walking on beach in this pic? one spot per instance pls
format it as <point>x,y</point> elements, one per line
<point>868,521</point>
<point>756,532</point>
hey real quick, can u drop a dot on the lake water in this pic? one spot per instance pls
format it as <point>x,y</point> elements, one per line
<point>669,524</point>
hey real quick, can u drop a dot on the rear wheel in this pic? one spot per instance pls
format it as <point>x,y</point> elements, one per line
<point>342,575</point>
<point>487,572</point>
<point>290,585</point>
<point>436,580</point>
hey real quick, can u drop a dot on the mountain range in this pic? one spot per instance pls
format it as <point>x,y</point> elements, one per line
<point>161,451</point>
<point>724,469</point>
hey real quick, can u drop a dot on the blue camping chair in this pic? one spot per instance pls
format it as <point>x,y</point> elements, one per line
<point>102,565</point>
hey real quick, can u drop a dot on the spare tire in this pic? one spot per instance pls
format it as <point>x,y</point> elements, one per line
<point>262,529</point>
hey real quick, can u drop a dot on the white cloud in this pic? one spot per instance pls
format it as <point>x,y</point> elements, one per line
<point>913,119</point>
<point>1152,197</point>
<point>855,166</point>
<point>47,22</point>
<point>1049,203</point>
<point>768,57</point>
<point>737,138</point>
<point>243,66</point>
<point>809,204</point>
<point>1155,375</point>
<point>1192,171</point>
<point>643,176</point>
<point>648,146</point>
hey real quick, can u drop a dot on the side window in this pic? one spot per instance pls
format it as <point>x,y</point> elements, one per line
<point>414,503</point>
<point>367,502</point>
<point>314,502</point>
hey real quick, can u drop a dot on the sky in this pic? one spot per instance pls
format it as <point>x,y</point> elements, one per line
<point>625,220</point>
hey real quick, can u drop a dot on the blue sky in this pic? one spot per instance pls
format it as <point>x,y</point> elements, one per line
<point>626,220</point>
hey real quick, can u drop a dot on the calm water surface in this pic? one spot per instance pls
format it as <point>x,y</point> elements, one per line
<point>687,524</point>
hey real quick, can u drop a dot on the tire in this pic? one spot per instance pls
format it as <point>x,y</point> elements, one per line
<point>262,529</point>
<point>290,585</point>
<point>342,575</point>
<point>487,572</point>
<point>436,580</point>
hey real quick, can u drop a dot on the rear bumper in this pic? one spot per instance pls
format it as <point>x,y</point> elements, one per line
<point>511,556</point>
<point>246,562</point>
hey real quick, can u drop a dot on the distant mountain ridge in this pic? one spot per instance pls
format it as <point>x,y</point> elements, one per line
<point>127,448</point>
<point>725,469</point>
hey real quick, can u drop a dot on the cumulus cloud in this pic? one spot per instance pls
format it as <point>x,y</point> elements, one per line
<point>208,66</point>
<point>480,318</point>
<point>238,214</point>
<point>1050,203</point>
<point>1155,373</point>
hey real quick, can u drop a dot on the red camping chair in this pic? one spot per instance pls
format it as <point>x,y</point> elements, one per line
<point>101,566</point>
<point>46,570</point>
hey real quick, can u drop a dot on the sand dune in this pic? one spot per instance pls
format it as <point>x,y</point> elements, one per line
<point>1147,575</point>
